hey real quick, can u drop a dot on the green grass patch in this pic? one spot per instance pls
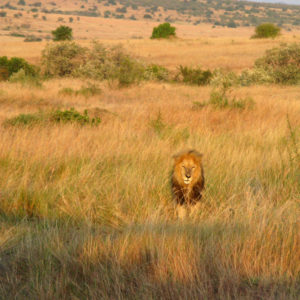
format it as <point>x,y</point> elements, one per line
<point>57,116</point>
<point>86,91</point>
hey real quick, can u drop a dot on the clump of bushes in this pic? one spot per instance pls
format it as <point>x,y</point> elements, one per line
<point>164,30</point>
<point>58,116</point>
<point>13,65</point>
<point>195,76</point>
<point>282,63</point>
<point>98,62</point>
<point>266,30</point>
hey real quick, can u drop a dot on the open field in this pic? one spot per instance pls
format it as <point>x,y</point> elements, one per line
<point>86,211</point>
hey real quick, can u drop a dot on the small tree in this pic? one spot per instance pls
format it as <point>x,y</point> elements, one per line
<point>164,30</point>
<point>62,33</point>
<point>266,30</point>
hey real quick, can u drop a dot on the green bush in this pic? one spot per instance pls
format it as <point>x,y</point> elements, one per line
<point>4,74</point>
<point>266,30</point>
<point>58,116</point>
<point>24,120</point>
<point>62,33</point>
<point>73,116</point>
<point>15,64</point>
<point>32,38</point>
<point>164,30</point>
<point>194,75</point>
<point>282,64</point>
<point>156,72</point>
<point>62,59</point>
<point>129,72</point>
<point>21,77</point>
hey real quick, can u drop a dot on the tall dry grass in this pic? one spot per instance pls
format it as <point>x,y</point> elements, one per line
<point>86,212</point>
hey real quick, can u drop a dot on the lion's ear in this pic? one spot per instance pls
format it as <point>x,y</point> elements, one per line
<point>176,157</point>
<point>196,153</point>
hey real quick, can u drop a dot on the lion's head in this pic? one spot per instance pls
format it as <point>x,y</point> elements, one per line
<point>187,168</point>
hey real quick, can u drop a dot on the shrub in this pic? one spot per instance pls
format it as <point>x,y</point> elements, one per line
<point>58,116</point>
<point>266,30</point>
<point>73,116</point>
<point>4,74</point>
<point>61,59</point>
<point>193,75</point>
<point>32,38</point>
<point>17,34</point>
<point>15,64</point>
<point>62,33</point>
<point>21,77</point>
<point>255,76</point>
<point>220,77</point>
<point>164,30</point>
<point>282,64</point>
<point>156,72</point>
<point>129,72</point>
<point>24,120</point>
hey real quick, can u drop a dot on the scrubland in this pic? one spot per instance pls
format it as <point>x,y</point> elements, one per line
<point>86,211</point>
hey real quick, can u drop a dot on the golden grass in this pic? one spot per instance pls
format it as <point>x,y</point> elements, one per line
<point>221,49</point>
<point>86,212</point>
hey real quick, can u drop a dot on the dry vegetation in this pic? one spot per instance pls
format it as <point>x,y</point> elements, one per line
<point>86,211</point>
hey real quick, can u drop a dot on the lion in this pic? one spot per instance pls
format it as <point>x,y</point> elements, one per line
<point>187,178</point>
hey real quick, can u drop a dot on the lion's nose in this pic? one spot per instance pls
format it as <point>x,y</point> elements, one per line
<point>188,176</point>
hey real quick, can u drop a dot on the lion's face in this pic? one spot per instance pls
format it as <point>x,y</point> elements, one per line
<point>187,168</point>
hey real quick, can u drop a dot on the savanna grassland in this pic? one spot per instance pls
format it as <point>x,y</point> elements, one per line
<point>86,211</point>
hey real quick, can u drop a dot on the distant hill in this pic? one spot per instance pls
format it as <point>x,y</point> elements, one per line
<point>229,13</point>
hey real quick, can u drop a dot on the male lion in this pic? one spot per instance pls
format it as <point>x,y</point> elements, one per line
<point>187,177</point>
